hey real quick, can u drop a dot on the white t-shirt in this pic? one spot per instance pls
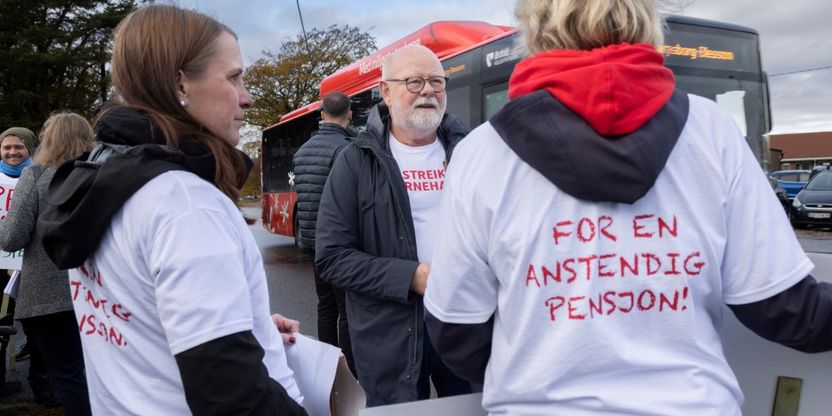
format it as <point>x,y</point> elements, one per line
<point>177,268</point>
<point>606,308</point>
<point>423,172</point>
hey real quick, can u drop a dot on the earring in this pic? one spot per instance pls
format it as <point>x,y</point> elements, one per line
<point>183,101</point>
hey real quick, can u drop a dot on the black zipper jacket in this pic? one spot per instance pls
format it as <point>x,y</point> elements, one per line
<point>366,244</point>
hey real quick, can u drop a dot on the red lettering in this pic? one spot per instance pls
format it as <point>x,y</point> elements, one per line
<point>663,300</point>
<point>90,325</point>
<point>9,199</point>
<point>586,261</point>
<point>670,230</point>
<point>609,301</point>
<point>553,304</point>
<point>92,300</point>
<point>531,275</point>
<point>672,270</point>
<point>581,227</point>
<point>76,285</point>
<point>441,173</point>
<point>652,298</point>
<point>652,259</point>
<point>602,266</point>
<point>593,307</point>
<point>557,233</point>
<point>572,309</point>
<point>638,227</point>
<point>697,265</point>
<point>81,324</point>
<point>570,270</point>
<point>408,186</point>
<point>121,313</point>
<point>602,227</point>
<point>632,267</point>
<point>630,295</point>
<point>548,274</point>
<point>420,174</point>
<point>116,337</point>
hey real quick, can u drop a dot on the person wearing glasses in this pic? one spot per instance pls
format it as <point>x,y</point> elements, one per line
<point>376,224</point>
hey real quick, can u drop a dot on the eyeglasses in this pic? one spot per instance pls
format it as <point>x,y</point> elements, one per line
<point>415,84</point>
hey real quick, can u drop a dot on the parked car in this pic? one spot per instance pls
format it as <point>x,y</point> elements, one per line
<point>813,205</point>
<point>791,180</point>
<point>781,194</point>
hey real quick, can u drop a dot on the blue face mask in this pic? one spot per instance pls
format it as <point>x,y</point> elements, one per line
<point>14,171</point>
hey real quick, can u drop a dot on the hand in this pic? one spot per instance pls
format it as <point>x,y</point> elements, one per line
<point>420,278</point>
<point>286,327</point>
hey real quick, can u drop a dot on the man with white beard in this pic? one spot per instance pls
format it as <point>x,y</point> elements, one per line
<point>374,236</point>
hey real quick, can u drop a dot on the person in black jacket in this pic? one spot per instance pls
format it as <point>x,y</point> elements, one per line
<point>375,229</point>
<point>311,166</point>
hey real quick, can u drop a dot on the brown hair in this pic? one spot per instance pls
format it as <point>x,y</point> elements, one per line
<point>64,136</point>
<point>151,46</point>
<point>588,24</point>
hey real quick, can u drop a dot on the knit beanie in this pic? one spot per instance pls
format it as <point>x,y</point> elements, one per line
<point>25,135</point>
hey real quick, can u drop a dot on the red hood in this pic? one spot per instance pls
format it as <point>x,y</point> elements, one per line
<point>616,88</point>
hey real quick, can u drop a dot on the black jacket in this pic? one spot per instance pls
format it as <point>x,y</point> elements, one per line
<point>366,245</point>
<point>311,166</point>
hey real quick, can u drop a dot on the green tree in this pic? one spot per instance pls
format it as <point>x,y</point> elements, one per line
<point>252,185</point>
<point>288,78</point>
<point>53,56</point>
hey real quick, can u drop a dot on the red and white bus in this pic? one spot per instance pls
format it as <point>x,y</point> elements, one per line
<point>715,60</point>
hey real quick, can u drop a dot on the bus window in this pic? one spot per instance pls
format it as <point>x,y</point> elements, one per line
<point>457,103</point>
<point>734,103</point>
<point>494,98</point>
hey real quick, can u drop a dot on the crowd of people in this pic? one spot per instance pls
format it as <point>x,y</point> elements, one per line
<point>142,290</point>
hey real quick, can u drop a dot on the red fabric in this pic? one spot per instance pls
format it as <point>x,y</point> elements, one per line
<point>616,88</point>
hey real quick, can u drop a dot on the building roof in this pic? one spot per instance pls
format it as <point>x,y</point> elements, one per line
<point>803,145</point>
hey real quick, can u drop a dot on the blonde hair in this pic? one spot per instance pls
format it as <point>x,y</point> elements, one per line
<point>64,136</point>
<point>588,24</point>
<point>151,46</point>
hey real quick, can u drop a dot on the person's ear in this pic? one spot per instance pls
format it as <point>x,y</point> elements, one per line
<point>384,87</point>
<point>182,87</point>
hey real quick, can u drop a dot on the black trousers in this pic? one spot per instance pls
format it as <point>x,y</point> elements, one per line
<point>57,340</point>
<point>333,327</point>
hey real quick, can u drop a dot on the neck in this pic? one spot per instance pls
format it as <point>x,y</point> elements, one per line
<point>413,138</point>
<point>14,171</point>
<point>342,123</point>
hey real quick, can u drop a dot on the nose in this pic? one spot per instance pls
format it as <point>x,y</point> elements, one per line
<point>245,99</point>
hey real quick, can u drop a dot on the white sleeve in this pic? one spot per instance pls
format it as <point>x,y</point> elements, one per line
<point>762,255</point>
<point>201,291</point>
<point>462,288</point>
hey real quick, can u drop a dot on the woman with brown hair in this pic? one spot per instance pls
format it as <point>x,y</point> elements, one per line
<point>167,281</point>
<point>44,304</point>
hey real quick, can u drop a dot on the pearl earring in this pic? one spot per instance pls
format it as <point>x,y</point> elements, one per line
<point>183,101</point>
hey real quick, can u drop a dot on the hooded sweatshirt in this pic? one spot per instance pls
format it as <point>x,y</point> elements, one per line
<point>85,193</point>
<point>591,233</point>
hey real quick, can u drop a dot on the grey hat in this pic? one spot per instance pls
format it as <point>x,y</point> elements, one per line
<point>25,135</point>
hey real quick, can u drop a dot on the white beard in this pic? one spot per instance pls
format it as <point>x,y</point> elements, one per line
<point>420,120</point>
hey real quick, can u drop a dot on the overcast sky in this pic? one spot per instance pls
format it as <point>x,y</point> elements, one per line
<point>794,36</point>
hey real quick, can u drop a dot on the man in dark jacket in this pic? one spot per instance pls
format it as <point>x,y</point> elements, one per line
<point>312,163</point>
<point>375,229</point>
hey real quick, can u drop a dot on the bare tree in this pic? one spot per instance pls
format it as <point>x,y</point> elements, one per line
<point>674,6</point>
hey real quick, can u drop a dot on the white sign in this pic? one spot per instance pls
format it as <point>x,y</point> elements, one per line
<point>8,261</point>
